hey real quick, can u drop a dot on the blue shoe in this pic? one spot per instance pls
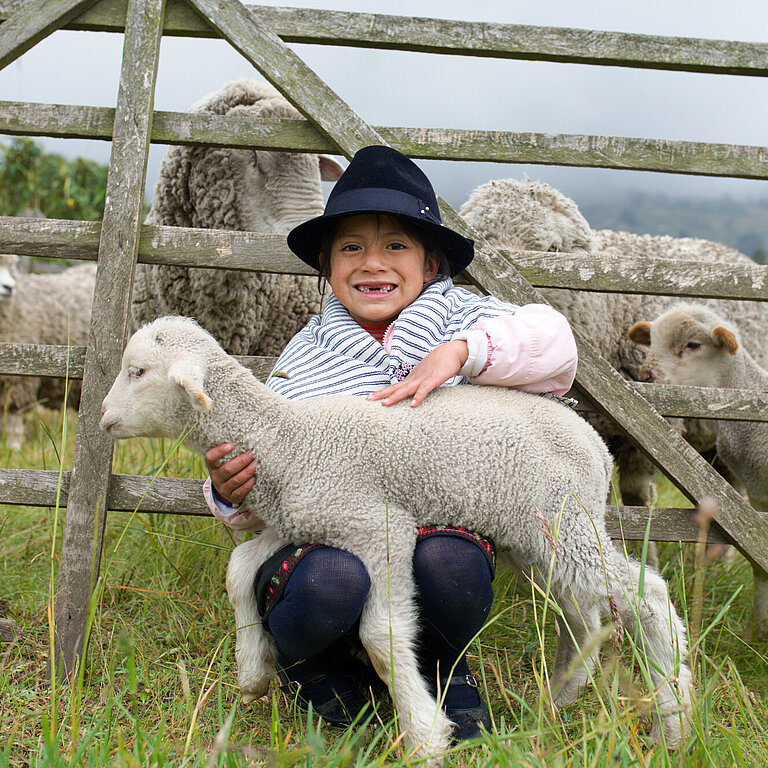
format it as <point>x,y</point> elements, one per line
<point>470,722</point>
<point>333,696</point>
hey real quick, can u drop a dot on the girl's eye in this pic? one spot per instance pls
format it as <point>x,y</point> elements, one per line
<point>134,372</point>
<point>350,248</point>
<point>397,246</point>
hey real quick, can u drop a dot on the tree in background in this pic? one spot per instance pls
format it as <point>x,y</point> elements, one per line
<point>31,178</point>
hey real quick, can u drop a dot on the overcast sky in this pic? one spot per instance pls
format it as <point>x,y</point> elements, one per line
<point>413,89</point>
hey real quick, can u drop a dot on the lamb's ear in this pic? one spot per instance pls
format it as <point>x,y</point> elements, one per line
<point>640,333</point>
<point>189,376</point>
<point>330,170</point>
<point>725,338</point>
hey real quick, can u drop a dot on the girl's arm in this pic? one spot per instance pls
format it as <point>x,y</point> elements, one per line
<point>532,349</point>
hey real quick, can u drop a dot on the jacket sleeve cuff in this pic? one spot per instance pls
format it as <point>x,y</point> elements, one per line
<point>477,345</point>
<point>222,505</point>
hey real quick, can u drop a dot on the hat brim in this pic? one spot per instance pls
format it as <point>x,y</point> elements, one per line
<point>304,240</point>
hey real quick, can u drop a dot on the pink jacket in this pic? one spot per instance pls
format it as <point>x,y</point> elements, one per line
<point>532,349</point>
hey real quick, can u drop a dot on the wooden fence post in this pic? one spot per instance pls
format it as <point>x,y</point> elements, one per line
<point>118,248</point>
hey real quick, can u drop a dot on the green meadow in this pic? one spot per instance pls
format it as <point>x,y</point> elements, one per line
<point>159,686</point>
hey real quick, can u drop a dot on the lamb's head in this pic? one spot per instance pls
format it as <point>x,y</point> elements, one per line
<point>689,344</point>
<point>8,264</point>
<point>159,391</point>
<point>527,215</point>
<point>273,191</point>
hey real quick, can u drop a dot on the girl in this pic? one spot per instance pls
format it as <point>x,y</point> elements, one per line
<point>394,327</point>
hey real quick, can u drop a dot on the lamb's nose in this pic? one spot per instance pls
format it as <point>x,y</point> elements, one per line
<point>645,375</point>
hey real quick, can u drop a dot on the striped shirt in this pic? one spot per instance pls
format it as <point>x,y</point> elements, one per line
<point>333,355</point>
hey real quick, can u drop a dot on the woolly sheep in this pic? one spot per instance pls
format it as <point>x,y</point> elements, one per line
<point>239,189</point>
<point>349,473</point>
<point>692,345</point>
<point>51,308</point>
<point>525,215</point>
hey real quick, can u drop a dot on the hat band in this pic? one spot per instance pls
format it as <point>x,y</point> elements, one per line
<point>381,200</point>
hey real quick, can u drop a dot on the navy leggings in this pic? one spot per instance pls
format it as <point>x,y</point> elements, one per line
<point>324,597</point>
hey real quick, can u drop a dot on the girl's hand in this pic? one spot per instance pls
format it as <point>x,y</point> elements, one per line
<point>435,369</point>
<point>235,478</point>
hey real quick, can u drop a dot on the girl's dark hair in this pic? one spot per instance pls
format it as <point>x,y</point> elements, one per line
<point>427,242</point>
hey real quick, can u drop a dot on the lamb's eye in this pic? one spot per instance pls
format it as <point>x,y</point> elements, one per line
<point>692,345</point>
<point>134,372</point>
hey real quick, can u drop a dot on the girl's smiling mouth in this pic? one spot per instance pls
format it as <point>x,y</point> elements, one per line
<point>375,289</point>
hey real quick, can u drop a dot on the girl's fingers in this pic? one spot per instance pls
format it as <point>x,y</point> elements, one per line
<point>418,388</point>
<point>244,476</point>
<point>380,394</point>
<point>235,488</point>
<point>232,467</point>
<point>425,388</point>
<point>219,452</point>
<point>240,493</point>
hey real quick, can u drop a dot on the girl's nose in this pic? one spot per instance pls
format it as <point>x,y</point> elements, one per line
<point>375,258</point>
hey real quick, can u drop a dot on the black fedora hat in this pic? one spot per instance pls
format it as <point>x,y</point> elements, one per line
<point>380,179</point>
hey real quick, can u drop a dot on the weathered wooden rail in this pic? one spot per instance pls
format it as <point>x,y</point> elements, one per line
<point>260,34</point>
<point>225,249</point>
<point>618,152</point>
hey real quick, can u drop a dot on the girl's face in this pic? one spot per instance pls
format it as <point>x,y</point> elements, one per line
<point>377,269</point>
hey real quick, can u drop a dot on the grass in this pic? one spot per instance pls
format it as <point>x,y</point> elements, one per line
<point>159,687</point>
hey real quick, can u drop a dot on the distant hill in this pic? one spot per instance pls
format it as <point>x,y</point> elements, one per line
<point>742,224</point>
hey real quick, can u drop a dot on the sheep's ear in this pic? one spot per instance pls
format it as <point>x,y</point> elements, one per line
<point>330,170</point>
<point>189,376</point>
<point>725,338</point>
<point>640,333</point>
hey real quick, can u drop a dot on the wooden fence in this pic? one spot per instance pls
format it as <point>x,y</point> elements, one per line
<point>260,35</point>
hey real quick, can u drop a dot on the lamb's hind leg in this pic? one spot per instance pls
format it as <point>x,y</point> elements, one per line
<point>661,637</point>
<point>577,650</point>
<point>389,621</point>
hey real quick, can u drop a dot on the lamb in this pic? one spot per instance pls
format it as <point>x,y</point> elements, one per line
<point>525,215</point>
<point>42,309</point>
<point>224,188</point>
<point>533,463</point>
<point>692,345</point>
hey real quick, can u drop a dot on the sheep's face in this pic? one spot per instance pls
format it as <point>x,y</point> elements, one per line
<point>7,280</point>
<point>528,216</point>
<point>283,189</point>
<point>158,391</point>
<point>684,348</point>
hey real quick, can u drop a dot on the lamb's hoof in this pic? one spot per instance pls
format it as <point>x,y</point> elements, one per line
<point>675,727</point>
<point>673,734</point>
<point>563,699</point>
<point>566,694</point>
<point>254,690</point>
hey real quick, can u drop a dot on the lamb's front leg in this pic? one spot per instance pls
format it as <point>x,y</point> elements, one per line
<point>255,647</point>
<point>389,621</point>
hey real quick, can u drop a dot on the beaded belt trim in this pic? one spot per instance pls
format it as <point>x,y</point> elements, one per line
<point>486,544</point>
